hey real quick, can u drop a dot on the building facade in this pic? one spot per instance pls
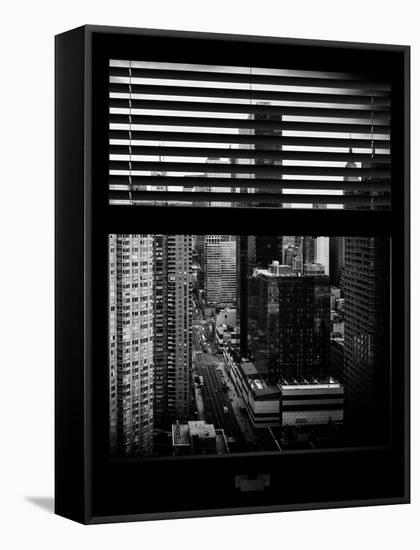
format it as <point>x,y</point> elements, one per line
<point>173,327</point>
<point>366,336</point>
<point>131,341</point>
<point>219,269</point>
<point>289,323</point>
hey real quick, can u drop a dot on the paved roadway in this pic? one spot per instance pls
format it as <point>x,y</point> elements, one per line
<point>213,395</point>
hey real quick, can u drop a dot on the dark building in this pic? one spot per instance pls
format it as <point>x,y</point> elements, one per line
<point>365,285</point>
<point>265,126</point>
<point>337,359</point>
<point>252,251</point>
<point>289,323</point>
<point>366,336</point>
<point>336,260</point>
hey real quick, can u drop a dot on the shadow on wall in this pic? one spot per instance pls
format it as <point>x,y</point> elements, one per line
<point>46,503</point>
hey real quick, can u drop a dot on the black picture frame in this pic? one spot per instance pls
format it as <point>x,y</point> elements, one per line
<point>89,488</point>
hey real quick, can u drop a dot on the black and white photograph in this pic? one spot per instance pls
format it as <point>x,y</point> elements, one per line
<point>209,279</point>
<point>233,274</point>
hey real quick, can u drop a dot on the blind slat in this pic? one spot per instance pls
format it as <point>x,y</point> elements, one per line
<point>246,198</point>
<point>250,109</point>
<point>247,124</point>
<point>255,95</point>
<point>246,168</point>
<point>257,183</point>
<point>273,80</point>
<point>265,154</point>
<point>253,139</point>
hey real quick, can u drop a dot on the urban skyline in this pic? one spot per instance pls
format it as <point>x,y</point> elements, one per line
<point>227,344</point>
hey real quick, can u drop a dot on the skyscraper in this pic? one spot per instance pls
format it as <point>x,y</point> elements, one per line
<point>252,251</point>
<point>257,170</point>
<point>173,326</point>
<point>131,335</point>
<point>365,284</point>
<point>219,268</point>
<point>288,323</point>
<point>366,336</point>
<point>336,253</point>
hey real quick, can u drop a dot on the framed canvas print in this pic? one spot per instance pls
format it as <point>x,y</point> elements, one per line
<point>232,274</point>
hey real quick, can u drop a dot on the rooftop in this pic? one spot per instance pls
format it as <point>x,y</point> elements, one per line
<point>314,386</point>
<point>183,431</point>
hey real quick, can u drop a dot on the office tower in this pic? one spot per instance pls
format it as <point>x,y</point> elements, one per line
<point>306,249</point>
<point>173,326</point>
<point>257,164</point>
<point>366,336</point>
<point>252,251</point>
<point>264,249</point>
<point>300,253</point>
<point>322,252</point>
<point>131,344</point>
<point>161,330</point>
<point>336,250</point>
<point>219,269</point>
<point>290,252</point>
<point>199,251</point>
<point>289,323</point>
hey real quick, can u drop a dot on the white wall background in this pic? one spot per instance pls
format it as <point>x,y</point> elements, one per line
<point>26,299</point>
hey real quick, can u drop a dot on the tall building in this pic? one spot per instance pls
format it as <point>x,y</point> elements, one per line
<point>219,268</point>
<point>173,325</point>
<point>322,252</point>
<point>288,323</point>
<point>336,253</point>
<point>257,165</point>
<point>131,334</point>
<point>365,285</point>
<point>251,252</point>
<point>366,336</point>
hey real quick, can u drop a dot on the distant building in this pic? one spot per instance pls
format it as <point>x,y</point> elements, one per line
<point>336,246</point>
<point>322,252</point>
<point>314,269</point>
<point>219,269</point>
<point>198,437</point>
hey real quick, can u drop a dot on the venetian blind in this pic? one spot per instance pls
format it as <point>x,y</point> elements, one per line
<point>204,135</point>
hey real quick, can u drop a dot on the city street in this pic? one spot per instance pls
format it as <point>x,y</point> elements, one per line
<point>215,399</point>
